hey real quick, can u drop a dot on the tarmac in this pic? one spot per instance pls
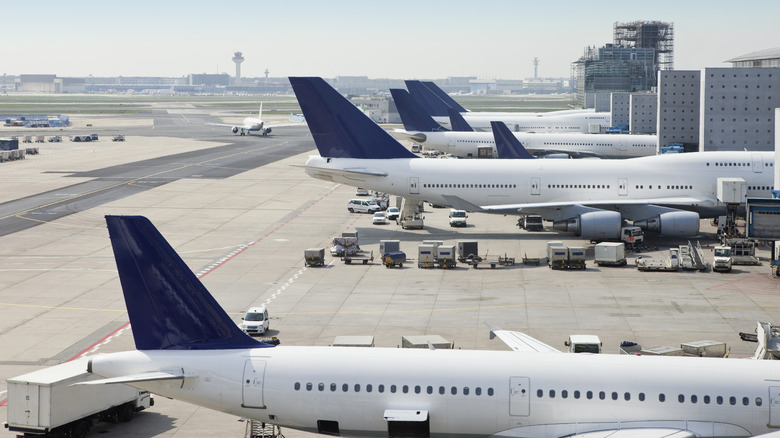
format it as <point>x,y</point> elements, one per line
<point>242,215</point>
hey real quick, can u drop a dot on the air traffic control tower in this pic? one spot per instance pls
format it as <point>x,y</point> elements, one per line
<point>238,58</point>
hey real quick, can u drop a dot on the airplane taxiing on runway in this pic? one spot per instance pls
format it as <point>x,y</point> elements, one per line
<point>666,193</point>
<point>251,124</point>
<point>189,349</point>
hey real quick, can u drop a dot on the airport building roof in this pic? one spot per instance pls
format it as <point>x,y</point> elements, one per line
<point>761,58</point>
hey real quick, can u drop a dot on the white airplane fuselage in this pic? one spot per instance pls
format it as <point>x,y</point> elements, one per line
<point>468,393</point>
<point>253,124</point>
<point>467,144</point>
<point>576,122</point>
<point>511,182</point>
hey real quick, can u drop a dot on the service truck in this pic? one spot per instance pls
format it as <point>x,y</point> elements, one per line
<point>721,259</point>
<point>583,344</point>
<point>50,402</point>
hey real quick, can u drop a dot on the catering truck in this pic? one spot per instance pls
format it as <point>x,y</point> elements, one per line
<point>50,401</point>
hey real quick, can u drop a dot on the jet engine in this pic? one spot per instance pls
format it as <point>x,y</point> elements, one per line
<point>593,225</point>
<point>235,130</point>
<point>672,223</point>
<point>266,131</point>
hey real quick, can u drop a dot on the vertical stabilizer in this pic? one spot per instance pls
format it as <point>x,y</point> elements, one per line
<point>457,122</point>
<point>445,97</point>
<point>427,100</point>
<point>339,129</point>
<point>412,116</point>
<point>507,145</point>
<point>169,307</point>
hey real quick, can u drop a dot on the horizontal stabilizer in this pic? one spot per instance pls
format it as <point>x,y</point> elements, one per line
<point>519,341</point>
<point>142,377</point>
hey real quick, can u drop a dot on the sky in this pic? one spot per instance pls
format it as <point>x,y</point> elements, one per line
<point>400,39</point>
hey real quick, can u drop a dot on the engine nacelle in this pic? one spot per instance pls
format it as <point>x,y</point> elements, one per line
<point>266,131</point>
<point>593,225</point>
<point>672,223</point>
<point>235,130</point>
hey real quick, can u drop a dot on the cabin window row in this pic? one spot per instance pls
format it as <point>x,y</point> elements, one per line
<point>759,188</point>
<point>471,186</point>
<point>405,389</point>
<point>577,186</point>
<point>738,164</point>
<point>602,395</point>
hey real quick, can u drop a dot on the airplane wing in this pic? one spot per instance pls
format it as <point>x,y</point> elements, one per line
<point>143,377</point>
<point>225,125</point>
<point>638,433</point>
<point>672,200</point>
<point>518,341</point>
<point>264,126</point>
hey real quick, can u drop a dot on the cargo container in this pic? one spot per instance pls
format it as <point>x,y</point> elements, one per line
<point>426,256</point>
<point>610,254</point>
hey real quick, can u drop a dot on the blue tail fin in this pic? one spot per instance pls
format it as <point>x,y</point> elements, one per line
<point>457,122</point>
<point>507,145</point>
<point>339,129</point>
<point>427,100</point>
<point>169,307</point>
<point>412,116</point>
<point>445,97</point>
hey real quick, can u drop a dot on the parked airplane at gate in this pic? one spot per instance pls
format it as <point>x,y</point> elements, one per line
<point>667,194</point>
<point>250,125</point>
<point>189,349</point>
<point>423,129</point>
<point>554,121</point>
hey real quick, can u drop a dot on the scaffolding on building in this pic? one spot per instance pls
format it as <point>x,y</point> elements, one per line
<point>648,34</point>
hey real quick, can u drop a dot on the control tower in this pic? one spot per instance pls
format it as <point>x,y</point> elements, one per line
<point>238,58</point>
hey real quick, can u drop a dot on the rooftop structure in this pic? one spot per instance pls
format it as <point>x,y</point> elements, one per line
<point>762,58</point>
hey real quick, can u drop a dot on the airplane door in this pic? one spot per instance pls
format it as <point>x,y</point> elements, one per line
<point>623,187</point>
<point>535,186</point>
<point>519,396</point>
<point>758,163</point>
<point>774,406</point>
<point>414,184</point>
<point>254,374</point>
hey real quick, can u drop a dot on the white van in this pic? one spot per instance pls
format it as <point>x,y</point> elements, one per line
<point>458,218</point>
<point>255,322</point>
<point>363,206</point>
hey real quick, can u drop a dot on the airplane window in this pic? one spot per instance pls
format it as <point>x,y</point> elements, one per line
<point>369,388</point>
<point>539,393</point>
<point>576,394</point>
<point>321,386</point>
<point>465,390</point>
<point>441,390</point>
<point>345,387</point>
<point>614,396</point>
<point>454,390</point>
<point>490,392</point>
<point>589,394</point>
<point>694,399</point>
<point>641,396</point>
<point>719,400</point>
<point>478,390</point>
<point>357,387</point>
<point>706,399</point>
<point>564,394</point>
<point>332,387</point>
<point>429,389</point>
<point>417,389</point>
<point>552,393</point>
<point>661,398</point>
<point>602,395</point>
<point>627,396</point>
<point>405,389</point>
<point>297,386</point>
<point>732,400</point>
<point>759,402</point>
<point>392,389</point>
<point>308,386</point>
<point>745,401</point>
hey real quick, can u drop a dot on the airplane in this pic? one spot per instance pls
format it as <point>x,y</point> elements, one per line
<point>189,349</point>
<point>423,129</point>
<point>667,194</point>
<point>559,121</point>
<point>251,124</point>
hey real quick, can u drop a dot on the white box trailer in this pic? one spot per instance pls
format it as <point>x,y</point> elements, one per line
<point>610,254</point>
<point>47,401</point>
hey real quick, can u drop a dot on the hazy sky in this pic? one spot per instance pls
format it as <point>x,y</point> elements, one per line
<point>393,39</point>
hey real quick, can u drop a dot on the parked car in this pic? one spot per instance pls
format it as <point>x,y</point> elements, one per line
<point>255,322</point>
<point>362,206</point>
<point>393,213</point>
<point>380,218</point>
<point>361,192</point>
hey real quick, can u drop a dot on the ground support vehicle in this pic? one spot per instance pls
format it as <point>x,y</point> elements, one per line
<point>721,259</point>
<point>393,259</point>
<point>314,257</point>
<point>531,222</point>
<point>468,252</point>
<point>358,257</point>
<point>530,260</point>
<point>55,139</point>
<point>691,257</point>
<point>51,402</point>
<point>670,264</point>
<point>776,268</point>
<point>119,137</point>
